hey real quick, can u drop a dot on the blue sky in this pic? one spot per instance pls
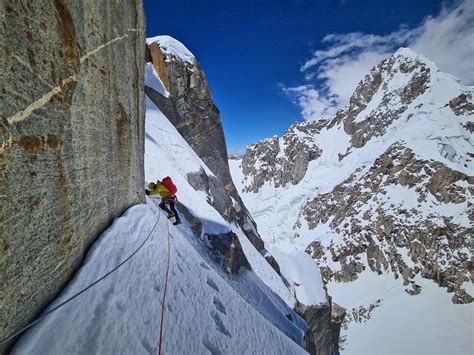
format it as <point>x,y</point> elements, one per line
<point>270,62</point>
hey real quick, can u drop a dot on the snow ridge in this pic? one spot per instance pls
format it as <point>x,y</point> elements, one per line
<point>386,192</point>
<point>251,312</point>
<point>173,47</point>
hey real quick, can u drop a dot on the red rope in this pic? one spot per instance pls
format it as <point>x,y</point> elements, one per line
<point>160,347</point>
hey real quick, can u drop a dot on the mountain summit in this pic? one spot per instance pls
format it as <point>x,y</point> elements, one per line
<point>383,188</point>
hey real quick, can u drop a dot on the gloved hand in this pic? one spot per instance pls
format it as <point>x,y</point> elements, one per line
<point>147,192</point>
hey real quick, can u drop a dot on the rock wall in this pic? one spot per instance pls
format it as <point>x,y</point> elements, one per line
<point>282,160</point>
<point>71,140</point>
<point>324,326</point>
<point>394,102</point>
<point>437,245</point>
<point>191,109</point>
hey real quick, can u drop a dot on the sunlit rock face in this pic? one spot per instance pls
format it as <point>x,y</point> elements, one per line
<point>378,194</point>
<point>190,108</point>
<point>71,155</point>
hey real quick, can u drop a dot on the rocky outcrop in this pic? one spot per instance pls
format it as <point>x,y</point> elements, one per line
<point>71,140</point>
<point>225,247</point>
<point>228,207</point>
<point>324,326</point>
<point>192,111</point>
<point>375,225</point>
<point>462,105</point>
<point>282,160</point>
<point>229,249</point>
<point>395,96</point>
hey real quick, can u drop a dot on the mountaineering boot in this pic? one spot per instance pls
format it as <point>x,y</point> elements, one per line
<point>170,215</point>
<point>178,221</point>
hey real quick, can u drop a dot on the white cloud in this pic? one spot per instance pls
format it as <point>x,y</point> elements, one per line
<point>341,76</point>
<point>313,105</point>
<point>447,39</point>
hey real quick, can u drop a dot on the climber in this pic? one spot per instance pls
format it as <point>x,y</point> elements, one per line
<point>167,190</point>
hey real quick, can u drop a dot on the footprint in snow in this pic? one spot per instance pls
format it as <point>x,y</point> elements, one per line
<point>120,306</point>
<point>204,265</point>
<point>157,288</point>
<point>211,347</point>
<point>108,293</point>
<point>220,324</point>
<point>211,283</point>
<point>147,346</point>
<point>219,305</point>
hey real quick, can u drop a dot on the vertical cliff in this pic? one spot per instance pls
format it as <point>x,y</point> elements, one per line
<point>71,140</point>
<point>189,106</point>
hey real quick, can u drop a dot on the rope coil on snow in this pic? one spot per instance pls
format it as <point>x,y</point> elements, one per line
<point>28,326</point>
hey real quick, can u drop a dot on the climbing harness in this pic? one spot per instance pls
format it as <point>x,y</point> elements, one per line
<point>6,340</point>
<point>160,345</point>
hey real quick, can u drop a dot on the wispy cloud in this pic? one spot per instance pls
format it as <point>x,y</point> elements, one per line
<point>333,73</point>
<point>448,40</point>
<point>312,103</point>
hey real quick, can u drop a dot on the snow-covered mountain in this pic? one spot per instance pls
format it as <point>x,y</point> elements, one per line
<point>180,89</point>
<point>224,293</point>
<point>207,310</point>
<point>380,195</point>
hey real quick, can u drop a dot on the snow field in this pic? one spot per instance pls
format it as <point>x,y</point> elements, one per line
<point>403,324</point>
<point>207,310</point>
<point>122,314</point>
<point>424,324</point>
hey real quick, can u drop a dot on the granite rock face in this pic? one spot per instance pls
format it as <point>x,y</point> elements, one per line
<point>374,228</point>
<point>394,99</point>
<point>71,140</point>
<point>324,325</point>
<point>191,109</point>
<point>282,160</point>
<point>389,189</point>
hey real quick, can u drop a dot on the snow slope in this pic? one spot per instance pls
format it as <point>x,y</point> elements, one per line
<point>207,310</point>
<point>173,157</point>
<point>428,323</point>
<point>430,128</point>
<point>152,79</point>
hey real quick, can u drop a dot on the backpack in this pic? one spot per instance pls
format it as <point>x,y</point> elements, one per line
<point>169,185</point>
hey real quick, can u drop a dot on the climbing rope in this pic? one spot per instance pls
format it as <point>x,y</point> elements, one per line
<point>6,340</point>
<point>160,346</point>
